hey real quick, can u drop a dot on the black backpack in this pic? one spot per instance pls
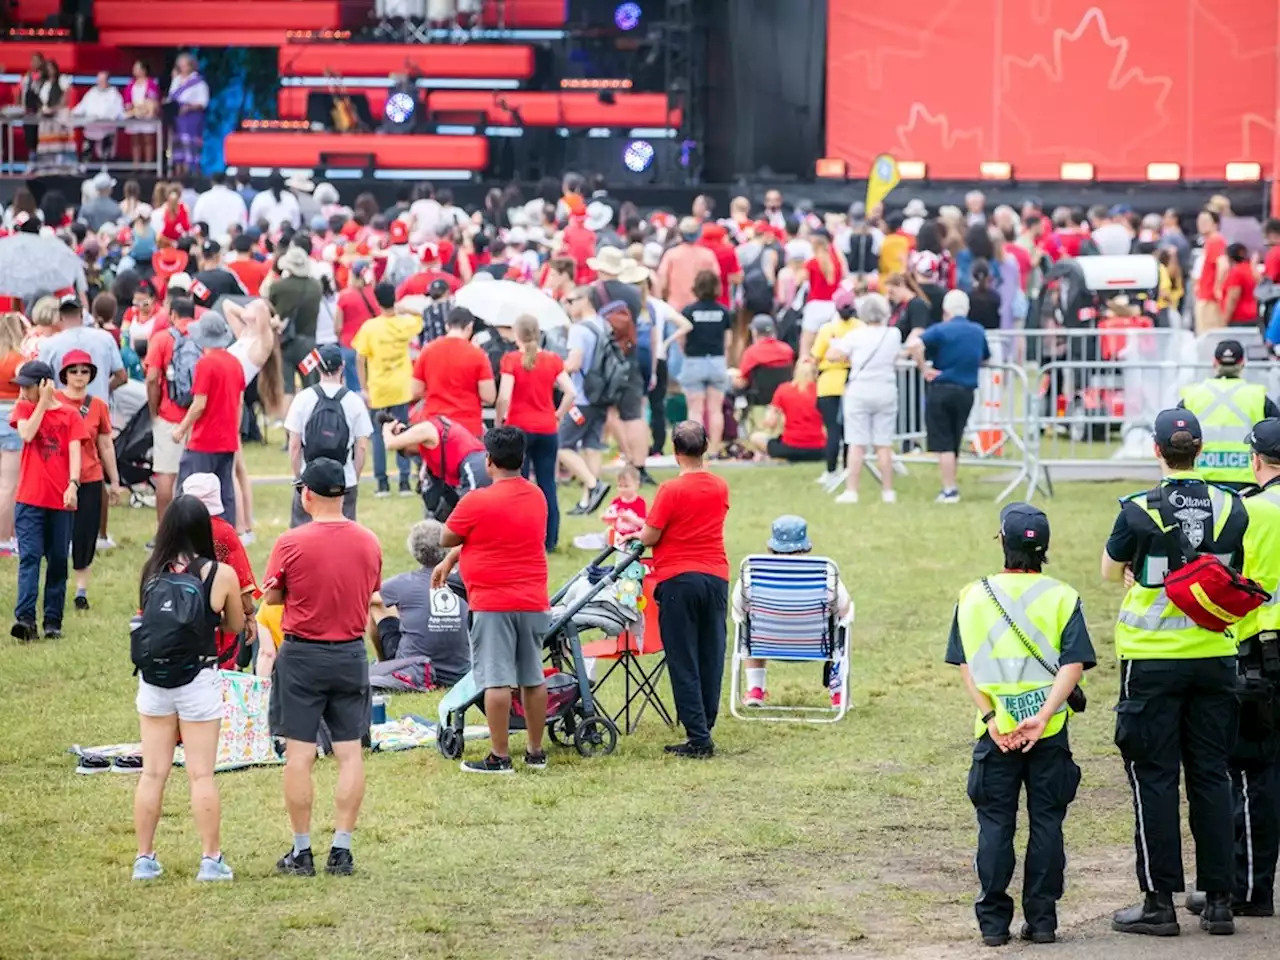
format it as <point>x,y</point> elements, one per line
<point>757,291</point>
<point>173,638</point>
<point>605,381</point>
<point>327,433</point>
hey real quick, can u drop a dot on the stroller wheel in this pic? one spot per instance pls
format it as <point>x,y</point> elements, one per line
<point>450,743</point>
<point>596,736</point>
<point>561,731</point>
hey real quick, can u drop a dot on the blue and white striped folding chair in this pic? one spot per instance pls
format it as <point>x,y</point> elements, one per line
<point>789,614</point>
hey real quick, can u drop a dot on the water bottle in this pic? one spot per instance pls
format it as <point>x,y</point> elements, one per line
<point>379,712</point>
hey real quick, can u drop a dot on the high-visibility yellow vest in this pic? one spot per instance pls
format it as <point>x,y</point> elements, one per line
<point>1262,560</point>
<point>1149,626</point>
<point>1227,408</point>
<point>1001,665</point>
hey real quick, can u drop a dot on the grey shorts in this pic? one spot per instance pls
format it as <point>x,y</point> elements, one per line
<point>506,649</point>
<point>701,374</point>
<point>320,681</point>
<point>588,435</point>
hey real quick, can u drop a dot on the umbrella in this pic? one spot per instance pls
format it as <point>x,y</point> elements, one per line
<point>33,266</point>
<point>499,302</point>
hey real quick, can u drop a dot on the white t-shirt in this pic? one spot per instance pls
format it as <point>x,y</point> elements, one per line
<point>276,212</point>
<point>358,422</point>
<point>873,355</point>
<point>426,219</point>
<point>220,207</point>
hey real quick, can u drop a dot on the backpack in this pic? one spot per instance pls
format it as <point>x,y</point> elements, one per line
<point>604,382</point>
<point>172,638</point>
<point>327,433</point>
<point>180,377</point>
<point>401,265</point>
<point>790,324</point>
<point>621,323</point>
<point>757,291</point>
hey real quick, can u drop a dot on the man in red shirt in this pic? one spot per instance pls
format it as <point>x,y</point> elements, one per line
<point>766,350</point>
<point>716,239</point>
<point>166,452</point>
<point>356,306</point>
<point>211,426</point>
<point>249,271</point>
<point>495,532</point>
<point>452,375</point>
<point>1213,273</point>
<point>454,458</point>
<point>322,670</point>
<point>685,528</point>
<point>45,502</point>
<point>577,242</point>
<point>418,284</point>
<point>1270,268</point>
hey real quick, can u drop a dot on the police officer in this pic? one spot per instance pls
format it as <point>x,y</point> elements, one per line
<point>1021,643</point>
<point>1227,408</point>
<point>1177,683</point>
<point>1255,762</point>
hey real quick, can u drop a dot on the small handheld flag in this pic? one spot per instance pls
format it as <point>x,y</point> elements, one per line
<point>309,363</point>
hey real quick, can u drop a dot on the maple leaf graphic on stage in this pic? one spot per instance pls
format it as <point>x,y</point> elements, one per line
<point>1049,101</point>
<point>930,138</point>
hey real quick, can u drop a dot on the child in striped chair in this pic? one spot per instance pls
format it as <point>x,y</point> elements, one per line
<point>789,537</point>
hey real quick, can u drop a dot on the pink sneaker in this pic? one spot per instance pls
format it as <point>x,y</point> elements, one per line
<point>835,699</point>
<point>754,698</point>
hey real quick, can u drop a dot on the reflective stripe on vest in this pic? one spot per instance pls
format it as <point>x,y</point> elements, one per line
<point>1227,409</point>
<point>984,667</point>
<point>1262,560</point>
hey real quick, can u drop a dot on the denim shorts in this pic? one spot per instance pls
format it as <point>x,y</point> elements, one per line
<point>10,442</point>
<point>701,374</point>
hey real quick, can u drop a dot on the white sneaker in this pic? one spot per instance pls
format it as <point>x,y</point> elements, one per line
<point>847,496</point>
<point>888,496</point>
<point>823,480</point>
<point>948,496</point>
<point>247,538</point>
<point>106,543</point>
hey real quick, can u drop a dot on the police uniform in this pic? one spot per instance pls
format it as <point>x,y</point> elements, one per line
<point>1227,408</point>
<point>1177,687</point>
<point>1048,614</point>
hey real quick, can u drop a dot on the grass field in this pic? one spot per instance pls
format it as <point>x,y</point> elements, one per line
<point>852,840</point>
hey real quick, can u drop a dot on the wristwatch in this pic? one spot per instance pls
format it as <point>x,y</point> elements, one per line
<point>988,716</point>
<point>76,484</point>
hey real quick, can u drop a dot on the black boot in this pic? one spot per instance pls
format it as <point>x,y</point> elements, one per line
<point>1260,907</point>
<point>1154,917</point>
<point>1217,917</point>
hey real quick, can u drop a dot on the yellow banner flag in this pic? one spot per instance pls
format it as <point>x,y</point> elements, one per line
<point>881,181</point>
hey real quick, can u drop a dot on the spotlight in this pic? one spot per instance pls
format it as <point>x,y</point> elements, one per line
<point>399,108</point>
<point>627,16</point>
<point>638,156</point>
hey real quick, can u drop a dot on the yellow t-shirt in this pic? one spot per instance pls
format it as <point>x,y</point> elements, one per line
<point>832,374</point>
<point>269,618</point>
<point>893,254</point>
<point>384,343</point>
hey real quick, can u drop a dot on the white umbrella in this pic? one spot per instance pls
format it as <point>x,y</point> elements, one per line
<point>500,302</point>
<point>33,266</point>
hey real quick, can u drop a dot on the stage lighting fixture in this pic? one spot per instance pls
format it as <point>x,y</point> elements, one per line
<point>638,156</point>
<point>627,16</point>
<point>399,109</point>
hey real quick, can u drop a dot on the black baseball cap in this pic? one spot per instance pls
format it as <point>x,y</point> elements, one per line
<point>31,373</point>
<point>211,248</point>
<point>1229,353</point>
<point>1264,438</point>
<point>1023,524</point>
<point>324,477</point>
<point>330,357</point>
<point>1169,422</point>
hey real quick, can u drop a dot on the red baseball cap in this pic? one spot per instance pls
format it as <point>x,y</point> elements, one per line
<point>399,232</point>
<point>430,253</point>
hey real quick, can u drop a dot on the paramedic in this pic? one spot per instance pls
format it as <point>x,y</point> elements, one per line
<point>1177,683</point>
<point>1227,408</point>
<point>1021,695</point>
<point>1255,762</point>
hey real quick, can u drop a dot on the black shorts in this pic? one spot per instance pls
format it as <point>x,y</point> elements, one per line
<point>320,681</point>
<point>630,405</point>
<point>946,411</point>
<point>782,451</point>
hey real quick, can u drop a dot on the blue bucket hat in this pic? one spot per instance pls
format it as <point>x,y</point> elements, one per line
<point>790,535</point>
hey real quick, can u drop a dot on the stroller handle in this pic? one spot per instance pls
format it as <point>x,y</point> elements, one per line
<point>599,558</point>
<point>633,555</point>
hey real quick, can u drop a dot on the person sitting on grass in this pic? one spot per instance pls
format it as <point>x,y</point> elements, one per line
<point>789,538</point>
<point>803,438</point>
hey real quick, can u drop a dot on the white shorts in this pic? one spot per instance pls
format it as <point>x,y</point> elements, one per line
<point>240,350</point>
<point>816,313</point>
<point>197,702</point>
<point>871,415</point>
<point>165,453</point>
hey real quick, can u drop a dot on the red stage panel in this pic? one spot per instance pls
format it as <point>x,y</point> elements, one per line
<point>1116,83</point>
<point>392,152</point>
<point>379,60</point>
<point>570,109</point>
<point>15,56</point>
<point>221,14</point>
<point>182,38</point>
<point>34,13</point>
<point>291,102</point>
<point>528,13</point>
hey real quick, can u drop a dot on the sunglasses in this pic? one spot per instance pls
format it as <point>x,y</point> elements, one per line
<point>85,370</point>
<point>569,301</point>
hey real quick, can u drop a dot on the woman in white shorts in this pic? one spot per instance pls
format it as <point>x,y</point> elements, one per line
<point>825,271</point>
<point>871,394</point>
<point>257,347</point>
<point>184,542</point>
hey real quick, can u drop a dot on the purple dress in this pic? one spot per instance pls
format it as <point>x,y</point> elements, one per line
<point>188,127</point>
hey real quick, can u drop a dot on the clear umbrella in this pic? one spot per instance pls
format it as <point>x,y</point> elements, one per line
<point>32,266</point>
<point>500,302</point>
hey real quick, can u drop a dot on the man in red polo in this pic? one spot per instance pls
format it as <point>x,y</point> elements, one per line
<point>166,412</point>
<point>766,350</point>
<point>452,375</point>
<point>1213,273</point>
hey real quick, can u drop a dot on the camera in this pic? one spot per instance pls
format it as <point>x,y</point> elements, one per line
<point>383,417</point>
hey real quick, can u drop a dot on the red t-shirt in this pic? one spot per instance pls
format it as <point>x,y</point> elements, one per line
<point>579,243</point>
<point>97,423</point>
<point>459,442</point>
<point>417,285</point>
<point>1070,242</point>
<point>219,377</point>
<point>228,549</point>
<point>324,600</point>
<point>770,352</point>
<point>1215,247</point>
<point>532,406</point>
<point>1271,266</point>
<point>176,226</point>
<point>504,560</point>
<point>250,273</point>
<point>803,427</point>
<point>453,369</point>
<point>159,357</point>
<point>1020,254</point>
<point>1240,277</point>
<point>728,261</point>
<point>358,308</point>
<point>690,511</point>
<point>820,288</point>
<point>45,468</point>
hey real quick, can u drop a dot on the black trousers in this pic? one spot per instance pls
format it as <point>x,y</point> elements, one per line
<point>829,407</point>
<point>658,410</point>
<point>691,616</point>
<point>996,780</point>
<point>1179,716</point>
<point>1255,787</point>
<point>84,528</point>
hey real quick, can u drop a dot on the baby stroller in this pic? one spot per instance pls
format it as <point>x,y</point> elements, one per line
<point>133,456</point>
<point>572,715</point>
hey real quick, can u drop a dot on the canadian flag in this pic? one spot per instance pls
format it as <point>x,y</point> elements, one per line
<point>309,363</point>
<point>199,290</point>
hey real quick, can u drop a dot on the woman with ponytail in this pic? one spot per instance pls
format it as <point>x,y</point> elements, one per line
<point>526,399</point>
<point>825,274</point>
